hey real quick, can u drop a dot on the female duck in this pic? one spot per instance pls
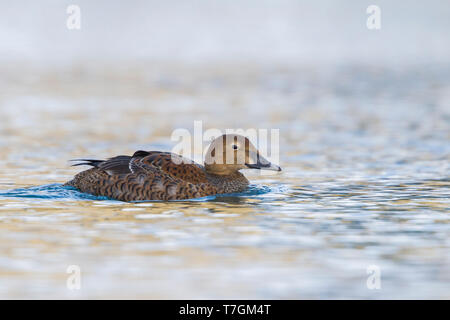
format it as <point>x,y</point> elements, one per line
<point>156,175</point>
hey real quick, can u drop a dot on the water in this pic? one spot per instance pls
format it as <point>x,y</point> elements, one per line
<point>365,155</point>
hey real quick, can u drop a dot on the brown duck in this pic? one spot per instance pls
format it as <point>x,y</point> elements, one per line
<point>156,175</point>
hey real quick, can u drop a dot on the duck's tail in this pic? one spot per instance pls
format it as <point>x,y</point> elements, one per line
<point>87,162</point>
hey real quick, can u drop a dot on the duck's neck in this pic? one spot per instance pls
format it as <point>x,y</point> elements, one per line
<point>235,182</point>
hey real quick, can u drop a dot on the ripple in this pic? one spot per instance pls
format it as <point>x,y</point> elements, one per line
<point>57,191</point>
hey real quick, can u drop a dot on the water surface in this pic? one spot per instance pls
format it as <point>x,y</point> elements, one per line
<point>365,155</point>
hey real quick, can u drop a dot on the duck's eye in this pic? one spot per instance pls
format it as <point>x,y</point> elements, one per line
<point>235,147</point>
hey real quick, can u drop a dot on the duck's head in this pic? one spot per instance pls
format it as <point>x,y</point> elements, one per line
<point>232,152</point>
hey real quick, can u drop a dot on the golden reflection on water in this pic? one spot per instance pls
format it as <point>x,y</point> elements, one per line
<point>359,186</point>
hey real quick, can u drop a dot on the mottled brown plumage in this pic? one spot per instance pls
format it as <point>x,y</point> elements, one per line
<point>156,175</point>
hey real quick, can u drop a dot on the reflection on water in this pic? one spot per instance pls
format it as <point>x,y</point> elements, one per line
<point>365,181</point>
<point>50,191</point>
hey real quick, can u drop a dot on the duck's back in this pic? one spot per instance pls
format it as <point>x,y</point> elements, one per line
<point>152,175</point>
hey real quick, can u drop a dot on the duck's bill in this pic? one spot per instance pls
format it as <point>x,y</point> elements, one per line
<point>264,166</point>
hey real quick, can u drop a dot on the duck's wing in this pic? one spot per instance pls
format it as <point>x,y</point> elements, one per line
<point>167,163</point>
<point>172,165</point>
<point>115,165</point>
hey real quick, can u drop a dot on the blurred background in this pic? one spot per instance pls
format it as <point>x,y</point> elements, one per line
<point>199,32</point>
<point>364,121</point>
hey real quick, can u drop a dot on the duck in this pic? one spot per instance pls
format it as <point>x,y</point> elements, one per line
<point>159,175</point>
